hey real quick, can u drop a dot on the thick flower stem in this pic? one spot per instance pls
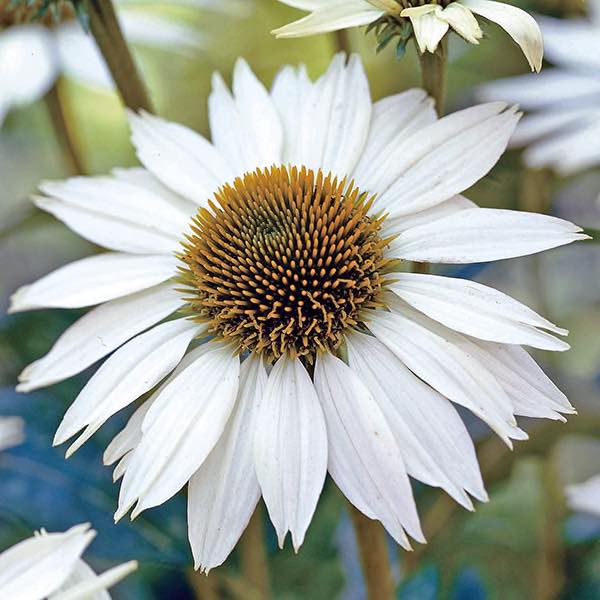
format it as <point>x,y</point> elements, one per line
<point>434,74</point>
<point>106,30</point>
<point>58,111</point>
<point>254,556</point>
<point>342,41</point>
<point>372,547</point>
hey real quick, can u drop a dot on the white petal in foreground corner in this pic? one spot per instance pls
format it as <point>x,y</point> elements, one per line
<point>290,449</point>
<point>364,458</point>
<point>585,497</point>
<point>49,565</point>
<point>520,25</point>
<point>223,493</point>
<point>182,426</point>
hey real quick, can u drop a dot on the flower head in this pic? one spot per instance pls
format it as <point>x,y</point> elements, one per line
<point>562,129</point>
<point>585,497</point>
<point>296,343</point>
<point>50,565</point>
<point>430,22</point>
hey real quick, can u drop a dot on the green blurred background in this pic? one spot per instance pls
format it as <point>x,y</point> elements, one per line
<point>523,544</point>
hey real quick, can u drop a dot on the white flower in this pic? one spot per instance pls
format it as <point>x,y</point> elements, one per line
<point>585,497</point>
<point>297,346</point>
<point>33,56</point>
<point>12,432</point>
<point>562,130</point>
<point>49,565</point>
<point>430,21</point>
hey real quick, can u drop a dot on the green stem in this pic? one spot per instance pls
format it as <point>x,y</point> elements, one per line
<point>58,110</point>
<point>106,30</point>
<point>372,547</point>
<point>434,71</point>
<point>254,556</point>
<point>342,41</point>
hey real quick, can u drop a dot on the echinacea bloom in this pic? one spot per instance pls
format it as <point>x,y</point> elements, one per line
<point>49,565</point>
<point>562,127</point>
<point>11,432</point>
<point>33,55</point>
<point>585,497</point>
<point>430,22</point>
<point>290,341</point>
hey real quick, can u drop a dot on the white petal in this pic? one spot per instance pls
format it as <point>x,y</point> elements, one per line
<point>483,235</point>
<point>461,19</point>
<point>585,497</point>
<point>441,160</point>
<point>364,458</point>
<point>37,566</point>
<point>130,372</point>
<point>98,333</point>
<point>116,214</point>
<point>392,118</point>
<point>12,432</point>
<point>223,493</point>
<point>429,29</point>
<point>520,25</point>
<point>245,126</point>
<point>330,16</point>
<point>84,584</point>
<point>181,428</point>
<point>531,392</point>
<point>181,158</point>
<point>290,449</point>
<point>432,438</point>
<point>27,65</point>
<point>94,280</point>
<point>432,353</point>
<point>476,310</point>
<point>327,123</point>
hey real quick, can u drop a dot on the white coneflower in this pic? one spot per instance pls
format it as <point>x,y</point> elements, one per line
<point>562,130</point>
<point>585,497</point>
<point>49,565</point>
<point>294,343</point>
<point>430,22</point>
<point>12,432</point>
<point>32,55</point>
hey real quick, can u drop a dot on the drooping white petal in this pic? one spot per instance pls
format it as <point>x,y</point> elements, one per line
<point>245,126</point>
<point>364,458</point>
<point>27,65</point>
<point>483,235</point>
<point>84,584</point>
<point>290,449</point>
<point>432,353</point>
<point>330,16</point>
<point>12,432</point>
<point>181,428</point>
<point>392,118</point>
<point>432,438</point>
<point>37,566</point>
<point>116,214</point>
<point>442,159</point>
<point>429,29</point>
<point>130,372</point>
<point>223,493</point>
<point>461,19</point>
<point>531,392</point>
<point>585,497</point>
<point>476,310</point>
<point>326,124</point>
<point>98,333</point>
<point>94,280</point>
<point>521,27</point>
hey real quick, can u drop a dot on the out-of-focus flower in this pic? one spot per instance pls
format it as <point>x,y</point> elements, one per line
<point>562,129</point>
<point>430,22</point>
<point>12,432</point>
<point>585,497</point>
<point>33,55</point>
<point>49,565</point>
<point>296,344</point>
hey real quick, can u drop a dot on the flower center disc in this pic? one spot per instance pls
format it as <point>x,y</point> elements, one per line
<point>24,11</point>
<point>284,261</point>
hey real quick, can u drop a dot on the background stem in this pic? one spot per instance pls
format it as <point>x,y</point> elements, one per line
<point>106,30</point>
<point>372,547</point>
<point>342,41</point>
<point>434,74</point>
<point>58,111</point>
<point>254,557</point>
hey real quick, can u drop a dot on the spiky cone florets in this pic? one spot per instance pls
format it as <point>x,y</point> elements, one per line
<point>46,12</point>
